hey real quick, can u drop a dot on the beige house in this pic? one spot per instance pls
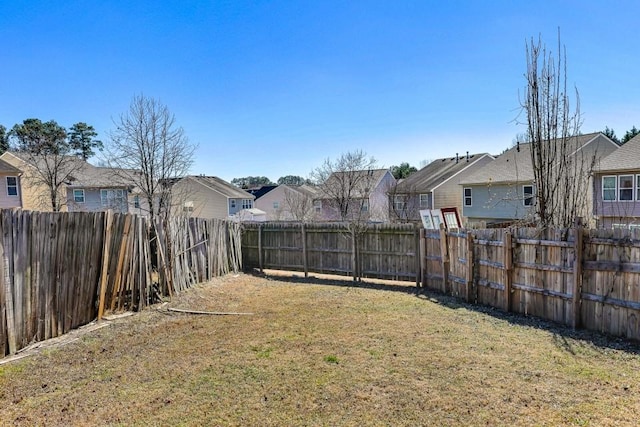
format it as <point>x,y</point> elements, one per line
<point>10,186</point>
<point>36,195</point>
<point>435,186</point>
<point>208,197</point>
<point>288,203</point>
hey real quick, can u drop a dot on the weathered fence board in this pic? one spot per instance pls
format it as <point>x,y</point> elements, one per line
<point>62,270</point>
<point>578,278</point>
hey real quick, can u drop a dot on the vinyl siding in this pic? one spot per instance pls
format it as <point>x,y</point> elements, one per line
<point>206,203</point>
<point>7,201</point>
<point>496,202</point>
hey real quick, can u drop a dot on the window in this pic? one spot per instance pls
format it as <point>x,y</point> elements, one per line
<point>609,188</point>
<point>12,185</point>
<point>136,202</point>
<point>276,205</point>
<point>187,207</point>
<point>527,195</point>
<point>78,196</point>
<point>637,187</point>
<point>113,198</point>
<point>233,203</point>
<point>467,197</point>
<point>424,201</point>
<point>364,207</point>
<point>625,187</point>
<point>399,202</point>
<point>317,205</point>
<point>247,203</point>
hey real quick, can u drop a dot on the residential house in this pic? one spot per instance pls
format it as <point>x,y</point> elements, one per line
<point>435,186</point>
<point>209,197</point>
<point>10,186</point>
<point>617,187</point>
<point>94,189</point>
<point>503,191</point>
<point>38,172</point>
<point>288,203</point>
<point>355,195</point>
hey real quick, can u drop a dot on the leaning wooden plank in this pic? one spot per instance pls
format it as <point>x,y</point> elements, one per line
<point>213,313</point>
<point>105,263</point>
<point>8,282</point>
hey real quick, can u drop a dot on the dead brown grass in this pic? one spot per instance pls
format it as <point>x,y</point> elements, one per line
<point>325,353</point>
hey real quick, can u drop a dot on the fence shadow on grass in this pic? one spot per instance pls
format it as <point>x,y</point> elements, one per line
<point>565,338</point>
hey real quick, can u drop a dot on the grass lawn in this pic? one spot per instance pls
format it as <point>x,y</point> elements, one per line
<point>325,353</point>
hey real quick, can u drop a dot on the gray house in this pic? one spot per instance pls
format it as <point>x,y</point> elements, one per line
<point>617,188</point>
<point>503,191</point>
<point>434,186</point>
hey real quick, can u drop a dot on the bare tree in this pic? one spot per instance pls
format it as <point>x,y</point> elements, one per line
<point>150,150</point>
<point>44,147</point>
<point>298,203</point>
<point>345,185</point>
<point>561,172</point>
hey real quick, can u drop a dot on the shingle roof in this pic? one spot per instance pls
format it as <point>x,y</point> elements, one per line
<point>221,186</point>
<point>627,157</point>
<point>436,172</point>
<point>7,168</point>
<point>514,165</point>
<point>261,191</point>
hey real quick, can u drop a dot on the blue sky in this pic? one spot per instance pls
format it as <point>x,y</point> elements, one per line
<point>274,87</point>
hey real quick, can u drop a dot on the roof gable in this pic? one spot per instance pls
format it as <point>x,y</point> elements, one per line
<point>220,186</point>
<point>436,173</point>
<point>625,157</point>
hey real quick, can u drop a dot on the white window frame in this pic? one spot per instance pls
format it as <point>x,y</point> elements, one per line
<point>399,202</point>
<point>276,205</point>
<point>78,195</point>
<point>637,187</point>
<point>113,197</point>
<point>364,207</point>
<point>527,199</point>
<point>187,207</point>
<point>468,198</point>
<point>423,200</point>
<point>628,188</point>
<point>136,201</point>
<point>247,203</point>
<point>609,189</point>
<point>13,186</point>
<point>233,203</point>
<point>317,205</point>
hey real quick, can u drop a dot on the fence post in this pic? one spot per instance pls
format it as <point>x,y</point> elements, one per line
<point>470,261</point>
<point>354,255</point>
<point>418,252</point>
<point>507,244</point>
<point>577,273</point>
<point>305,262</point>
<point>260,261</point>
<point>444,254</point>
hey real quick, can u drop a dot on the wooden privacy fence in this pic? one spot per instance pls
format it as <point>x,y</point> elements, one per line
<point>581,278</point>
<point>379,251</point>
<point>62,270</point>
<point>194,250</point>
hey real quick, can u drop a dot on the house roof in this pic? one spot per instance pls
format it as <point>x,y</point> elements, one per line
<point>627,157</point>
<point>81,174</point>
<point>514,165</point>
<point>7,168</point>
<point>435,173</point>
<point>365,181</point>
<point>261,191</point>
<point>221,186</point>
